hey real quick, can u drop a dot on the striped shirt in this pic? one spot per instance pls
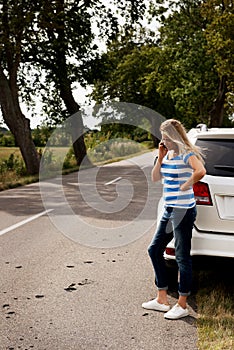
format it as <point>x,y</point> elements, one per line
<point>175,172</point>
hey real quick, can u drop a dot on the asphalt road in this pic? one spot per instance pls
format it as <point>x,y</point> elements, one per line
<point>75,268</point>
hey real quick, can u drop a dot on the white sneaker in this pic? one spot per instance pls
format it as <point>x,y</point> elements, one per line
<point>176,312</point>
<point>155,305</point>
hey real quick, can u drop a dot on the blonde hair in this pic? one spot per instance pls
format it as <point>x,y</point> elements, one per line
<point>176,132</point>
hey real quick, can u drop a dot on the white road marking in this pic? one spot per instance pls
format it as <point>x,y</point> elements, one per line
<point>120,177</point>
<point>23,222</point>
<point>113,181</point>
<point>144,166</point>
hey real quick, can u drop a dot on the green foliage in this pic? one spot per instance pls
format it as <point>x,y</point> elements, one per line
<point>220,40</point>
<point>52,44</point>
<point>115,140</point>
<point>118,130</point>
<point>41,135</point>
<point>115,131</point>
<point>193,73</point>
<point>61,47</point>
<point>189,76</point>
<point>12,164</point>
<point>7,139</point>
<point>112,149</point>
<point>125,76</point>
<point>175,72</point>
<point>70,160</point>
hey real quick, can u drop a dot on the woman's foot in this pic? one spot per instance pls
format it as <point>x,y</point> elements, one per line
<point>155,305</point>
<point>176,312</point>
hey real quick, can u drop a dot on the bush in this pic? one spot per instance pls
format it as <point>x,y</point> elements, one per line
<point>14,164</point>
<point>11,171</point>
<point>114,148</point>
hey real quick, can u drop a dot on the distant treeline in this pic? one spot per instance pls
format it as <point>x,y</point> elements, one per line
<point>42,134</point>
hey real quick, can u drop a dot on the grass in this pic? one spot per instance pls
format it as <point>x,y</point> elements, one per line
<point>5,152</point>
<point>12,169</point>
<point>215,304</point>
<point>215,333</point>
<point>216,321</point>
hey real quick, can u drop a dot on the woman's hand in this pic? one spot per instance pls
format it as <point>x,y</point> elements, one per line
<point>156,172</point>
<point>162,150</point>
<point>185,187</point>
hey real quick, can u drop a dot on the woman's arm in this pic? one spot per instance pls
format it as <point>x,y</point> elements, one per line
<point>198,172</point>
<point>156,173</point>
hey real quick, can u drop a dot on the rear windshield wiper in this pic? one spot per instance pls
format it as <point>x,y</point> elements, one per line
<point>225,167</point>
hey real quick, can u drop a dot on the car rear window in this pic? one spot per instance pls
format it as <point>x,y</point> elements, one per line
<point>219,156</point>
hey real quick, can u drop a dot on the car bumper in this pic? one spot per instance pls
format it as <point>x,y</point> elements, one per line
<point>209,244</point>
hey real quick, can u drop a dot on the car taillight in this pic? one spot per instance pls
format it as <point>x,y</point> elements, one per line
<point>202,193</point>
<point>170,251</point>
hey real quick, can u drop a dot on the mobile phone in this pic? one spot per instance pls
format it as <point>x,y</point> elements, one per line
<point>161,143</point>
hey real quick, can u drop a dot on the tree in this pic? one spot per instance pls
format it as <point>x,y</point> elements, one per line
<point>124,74</point>
<point>54,39</point>
<point>220,44</point>
<point>14,23</point>
<point>174,72</point>
<point>63,47</point>
<point>195,80</point>
<point>188,75</point>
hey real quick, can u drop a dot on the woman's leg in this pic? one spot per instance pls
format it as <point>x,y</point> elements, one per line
<point>182,301</point>
<point>156,250</point>
<point>183,221</point>
<point>182,225</point>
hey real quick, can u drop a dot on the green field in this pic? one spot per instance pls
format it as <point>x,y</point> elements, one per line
<point>5,152</point>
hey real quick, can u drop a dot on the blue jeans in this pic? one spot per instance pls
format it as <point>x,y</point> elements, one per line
<point>175,222</point>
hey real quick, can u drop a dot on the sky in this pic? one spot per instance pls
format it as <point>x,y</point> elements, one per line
<point>80,95</point>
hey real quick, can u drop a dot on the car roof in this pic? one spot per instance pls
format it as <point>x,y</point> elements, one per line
<point>212,133</point>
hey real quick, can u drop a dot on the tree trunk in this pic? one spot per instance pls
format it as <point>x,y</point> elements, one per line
<point>155,119</point>
<point>64,86</point>
<point>77,124</point>
<point>216,113</point>
<point>18,124</point>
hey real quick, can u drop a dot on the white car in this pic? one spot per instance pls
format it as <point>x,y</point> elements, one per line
<point>213,232</point>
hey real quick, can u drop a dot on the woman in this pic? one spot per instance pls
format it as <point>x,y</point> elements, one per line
<point>180,165</point>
